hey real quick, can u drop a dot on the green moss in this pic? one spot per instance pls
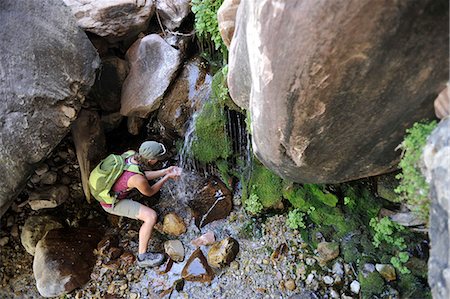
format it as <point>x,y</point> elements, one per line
<point>413,188</point>
<point>411,287</point>
<point>224,172</point>
<point>371,285</point>
<point>211,142</point>
<point>265,184</point>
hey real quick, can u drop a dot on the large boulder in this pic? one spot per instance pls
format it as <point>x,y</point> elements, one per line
<point>64,260</point>
<point>42,85</point>
<point>332,85</point>
<point>153,65</point>
<point>436,160</point>
<point>113,19</point>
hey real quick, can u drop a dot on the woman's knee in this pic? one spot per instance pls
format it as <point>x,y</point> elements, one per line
<point>148,215</point>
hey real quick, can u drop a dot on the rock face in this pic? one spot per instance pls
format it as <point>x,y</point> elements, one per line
<point>153,64</point>
<point>34,229</point>
<point>332,107</point>
<point>436,158</point>
<point>192,87</point>
<point>114,20</point>
<point>173,12</point>
<point>90,145</point>
<point>226,17</point>
<point>41,88</point>
<point>213,202</point>
<point>64,260</point>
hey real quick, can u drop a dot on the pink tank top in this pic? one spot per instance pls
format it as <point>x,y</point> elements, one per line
<point>120,187</point>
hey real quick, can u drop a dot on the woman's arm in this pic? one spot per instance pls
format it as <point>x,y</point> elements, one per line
<point>151,175</point>
<point>141,183</point>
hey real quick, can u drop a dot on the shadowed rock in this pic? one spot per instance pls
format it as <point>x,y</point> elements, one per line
<point>42,86</point>
<point>355,74</point>
<point>90,145</point>
<point>34,229</point>
<point>64,260</point>
<point>48,197</point>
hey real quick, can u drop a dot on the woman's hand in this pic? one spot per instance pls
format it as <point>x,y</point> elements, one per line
<point>173,172</point>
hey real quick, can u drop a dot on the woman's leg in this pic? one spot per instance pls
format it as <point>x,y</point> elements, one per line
<point>149,217</point>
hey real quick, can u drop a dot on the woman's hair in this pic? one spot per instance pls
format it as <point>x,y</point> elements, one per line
<point>143,162</point>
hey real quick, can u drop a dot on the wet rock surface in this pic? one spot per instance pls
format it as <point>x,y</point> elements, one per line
<point>223,253</point>
<point>212,202</point>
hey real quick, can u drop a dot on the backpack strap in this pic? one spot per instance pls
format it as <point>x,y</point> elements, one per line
<point>130,166</point>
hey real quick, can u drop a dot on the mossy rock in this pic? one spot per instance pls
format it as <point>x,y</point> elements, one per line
<point>411,286</point>
<point>371,285</point>
<point>212,142</point>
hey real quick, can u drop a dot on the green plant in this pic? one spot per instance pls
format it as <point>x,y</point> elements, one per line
<point>399,261</point>
<point>253,204</point>
<point>265,184</point>
<point>412,187</point>
<point>387,231</point>
<point>206,25</point>
<point>295,219</point>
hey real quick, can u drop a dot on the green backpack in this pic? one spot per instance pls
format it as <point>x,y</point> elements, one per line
<point>106,173</point>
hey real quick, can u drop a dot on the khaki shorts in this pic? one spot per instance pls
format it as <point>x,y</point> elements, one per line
<point>125,207</point>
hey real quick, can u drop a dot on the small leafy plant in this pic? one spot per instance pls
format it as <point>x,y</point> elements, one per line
<point>295,219</point>
<point>253,204</point>
<point>206,24</point>
<point>413,188</point>
<point>387,231</point>
<point>399,261</point>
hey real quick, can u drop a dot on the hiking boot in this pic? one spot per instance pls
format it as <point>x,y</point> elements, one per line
<point>150,259</point>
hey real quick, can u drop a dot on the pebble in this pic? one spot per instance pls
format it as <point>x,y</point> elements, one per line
<point>133,296</point>
<point>265,261</point>
<point>10,221</point>
<point>290,284</point>
<point>15,231</point>
<point>355,287</point>
<point>234,265</point>
<point>334,294</point>
<point>328,280</point>
<point>41,169</point>
<point>49,178</point>
<point>4,241</point>
<point>309,279</point>
<point>310,261</point>
<point>338,269</point>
